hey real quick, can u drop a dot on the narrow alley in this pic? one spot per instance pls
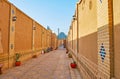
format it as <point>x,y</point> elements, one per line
<point>59,39</point>
<point>52,65</point>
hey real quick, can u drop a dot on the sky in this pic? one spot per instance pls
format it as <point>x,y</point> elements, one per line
<point>53,13</point>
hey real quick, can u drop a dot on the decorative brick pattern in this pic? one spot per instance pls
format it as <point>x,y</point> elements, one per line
<point>105,39</point>
<point>105,67</point>
<point>102,52</point>
<point>87,68</point>
<point>103,64</point>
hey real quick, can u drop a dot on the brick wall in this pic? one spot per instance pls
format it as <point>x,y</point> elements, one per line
<point>116,12</point>
<point>38,35</point>
<point>22,35</point>
<point>105,39</point>
<point>74,23</point>
<point>98,32</point>
<point>87,23</point>
<point>4,24</point>
<point>54,41</point>
<point>23,32</point>
<point>86,57</point>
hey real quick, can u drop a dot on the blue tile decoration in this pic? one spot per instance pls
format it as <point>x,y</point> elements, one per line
<point>102,52</point>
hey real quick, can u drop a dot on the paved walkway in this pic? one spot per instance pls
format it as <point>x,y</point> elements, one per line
<point>53,65</point>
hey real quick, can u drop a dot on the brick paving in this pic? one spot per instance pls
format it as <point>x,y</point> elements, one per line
<point>52,65</point>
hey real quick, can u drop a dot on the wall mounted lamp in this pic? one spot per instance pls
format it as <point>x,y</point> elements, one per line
<point>34,28</point>
<point>14,18</point>
<point>74,17</point>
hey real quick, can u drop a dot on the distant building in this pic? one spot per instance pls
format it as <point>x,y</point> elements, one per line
<point>61,39</point>
<point>62,36</point>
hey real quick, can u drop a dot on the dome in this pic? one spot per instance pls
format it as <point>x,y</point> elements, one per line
<point>62,35</point>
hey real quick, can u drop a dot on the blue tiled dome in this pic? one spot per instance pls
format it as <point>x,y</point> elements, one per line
<point>62,35</point>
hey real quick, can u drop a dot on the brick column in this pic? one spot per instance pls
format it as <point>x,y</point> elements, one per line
<point>13,20</point>
<point>105,39</point>
<point>33,36</point>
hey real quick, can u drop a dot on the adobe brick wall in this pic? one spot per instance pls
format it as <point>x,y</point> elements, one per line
<point>74,24</point>
<point>54,41</point>
<point>116,10</point>
<point>103,64</point>
<point>11,36</point>
<point>87,22</point>
<point>104,34</point>
<point>70,38</point>
<point>117,51</point>
<point>38,35</point>
<point>87,51</point>
<point>23,32</point>
<point>105,40</point>
<point>4,24</point>
<point>19,36</point>
<point>44,36</point>
<point>88,29</point>
<point>49,36</point>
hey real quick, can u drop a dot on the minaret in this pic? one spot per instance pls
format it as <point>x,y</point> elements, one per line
<point>58,31</point>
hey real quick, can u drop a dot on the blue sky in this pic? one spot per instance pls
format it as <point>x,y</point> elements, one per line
<point>53,13</point>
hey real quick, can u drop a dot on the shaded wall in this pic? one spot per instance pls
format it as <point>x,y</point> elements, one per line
<point>75,36</point>
<point>87,23</point>
<point>87,54</point>
<point>105,39</point>
<point>116,10</point>
<point>99,30</point>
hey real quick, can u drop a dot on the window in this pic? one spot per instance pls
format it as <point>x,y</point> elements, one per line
<point>13,12</point>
